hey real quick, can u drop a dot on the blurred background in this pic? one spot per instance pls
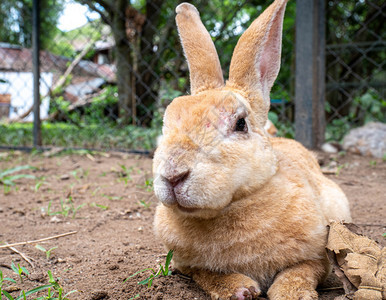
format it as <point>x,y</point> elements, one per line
<point>108,68</point>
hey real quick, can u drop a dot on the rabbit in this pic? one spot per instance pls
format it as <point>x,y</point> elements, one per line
<point>245,213</point>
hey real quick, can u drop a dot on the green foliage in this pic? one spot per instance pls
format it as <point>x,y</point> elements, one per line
<point>103,109</point>
<point>54,289</point>
<point>16,21</point>
<point>47,252</point>
<point>336,130</point>
<point>56,292</point>
<point>145,204</point>
<point>162,271</point>
<point>3,281</point>
<point>149,184</point>
<point>368,107</point>
<point>365,108</point>
<point>7,177</point>
<point>354,63</point>
<point>67,208</point>
<point>125,174</point>
<point>39,183</point>
<point>65,41</point>
<point>19,270</point>
<point>284,127</point>
<point>102,207</point>
<point>93,136</point>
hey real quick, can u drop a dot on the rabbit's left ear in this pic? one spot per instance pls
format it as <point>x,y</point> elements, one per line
<point>201,54</point>
<point>256,58</point>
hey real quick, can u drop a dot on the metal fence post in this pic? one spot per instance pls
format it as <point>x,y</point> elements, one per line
<point>37,139</point>
<point>310,72</point>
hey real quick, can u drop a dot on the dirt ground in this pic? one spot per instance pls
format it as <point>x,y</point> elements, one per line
<point>114,236</point>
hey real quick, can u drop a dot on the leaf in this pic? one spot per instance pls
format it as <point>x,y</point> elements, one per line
<point>71,292</point>
<point>10,279</point>
<point>14,268</point>
<point>7,295</point>
<point>25,271</point>
<point>50,277</point>
<point>20,176</point>
<point>41,248</point>
<point>145,281</point>
<point>35,290</point>
<point>16,169</point>
<point>358,262</point>
<point>136,273</point>
<point>169,257</point>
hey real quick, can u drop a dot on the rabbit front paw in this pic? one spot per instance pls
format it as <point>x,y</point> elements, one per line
<point>234,286</point>
<point>241,293</point>
<point>246,294</point>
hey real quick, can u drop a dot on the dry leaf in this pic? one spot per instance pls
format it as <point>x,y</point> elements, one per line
<point>358,262</point>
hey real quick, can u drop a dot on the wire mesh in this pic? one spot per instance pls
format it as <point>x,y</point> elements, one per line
<point>356,76</point>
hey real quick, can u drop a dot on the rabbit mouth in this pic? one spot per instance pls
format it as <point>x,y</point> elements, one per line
<point>186,209</point>
<point>182,198</point>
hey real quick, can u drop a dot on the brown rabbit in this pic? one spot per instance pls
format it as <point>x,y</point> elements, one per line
<point>245,214</point>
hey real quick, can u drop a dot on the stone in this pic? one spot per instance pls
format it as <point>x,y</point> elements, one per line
<point>368,140</point>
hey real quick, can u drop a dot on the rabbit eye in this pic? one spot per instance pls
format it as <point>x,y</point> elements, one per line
<point>241,125</point>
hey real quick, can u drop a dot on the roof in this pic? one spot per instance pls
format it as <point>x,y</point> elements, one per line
<point>84,88</point>
<point>16,59</point>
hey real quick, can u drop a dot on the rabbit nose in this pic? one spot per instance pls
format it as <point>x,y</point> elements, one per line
<point>175,178</point>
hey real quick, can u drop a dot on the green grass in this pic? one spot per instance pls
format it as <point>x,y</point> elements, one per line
<point>162,271</point>
<point>67,208</point>
<point>125,174</point>
<point>53,288</point>
<point>7,176</point>
<point>102,207</point>
<point>47,252</point>
<point>20,271</point>
<point>92,136</point>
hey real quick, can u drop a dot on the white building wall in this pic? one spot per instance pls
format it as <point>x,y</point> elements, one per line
<point>20,86</point>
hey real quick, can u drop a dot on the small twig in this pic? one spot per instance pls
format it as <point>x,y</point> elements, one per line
<point>28,260</point>
<point>38,241</point>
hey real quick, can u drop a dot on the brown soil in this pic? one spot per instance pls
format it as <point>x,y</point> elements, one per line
<point>112,244</point>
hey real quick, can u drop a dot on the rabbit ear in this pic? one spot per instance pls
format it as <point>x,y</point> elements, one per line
<point>256,58</point>
<point>204,64</point>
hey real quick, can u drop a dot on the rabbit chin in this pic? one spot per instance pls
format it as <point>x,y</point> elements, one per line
<point>190,200</point>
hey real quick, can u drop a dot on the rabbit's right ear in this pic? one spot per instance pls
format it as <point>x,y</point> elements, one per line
<point>203,61</point>
<point>256,59</point>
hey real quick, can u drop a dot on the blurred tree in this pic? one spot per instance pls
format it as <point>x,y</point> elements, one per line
<point>16,21</point>
<point>115,14</point>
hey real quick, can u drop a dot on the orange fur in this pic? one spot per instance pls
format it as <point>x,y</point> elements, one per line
<point>240,209</point>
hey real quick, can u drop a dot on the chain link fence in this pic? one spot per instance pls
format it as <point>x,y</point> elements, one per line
<point>355,65</point>
<point>106,84</point>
